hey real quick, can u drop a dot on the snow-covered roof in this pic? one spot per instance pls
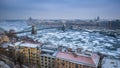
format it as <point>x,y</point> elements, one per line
<point>29,45</point>
<point>5,45</point>
<point>110,63</point>
<point>25,44</point>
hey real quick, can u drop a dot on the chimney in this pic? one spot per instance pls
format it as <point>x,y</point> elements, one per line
<point>69,50</point>
<point>74,54</point>
<point>79,50</point>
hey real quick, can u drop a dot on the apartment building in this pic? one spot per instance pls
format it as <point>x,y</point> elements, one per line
<point>4,38</point>
<point>31,55</point>
<point>68,58</point>
<point>4,49</point>
<point>64,57</point>
<point>28,51</point>
<point>47,56</point>
<point>51,56</point>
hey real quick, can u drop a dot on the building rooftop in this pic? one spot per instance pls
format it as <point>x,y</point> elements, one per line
<point>52,47</point>
<point>110,63</point>
<point>49,51</point>
<point>29,45</point>
<point>5,45</point>
<point>79,59</point>
<point>26,44</point>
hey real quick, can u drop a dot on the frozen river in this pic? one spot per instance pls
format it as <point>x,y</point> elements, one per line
<point>86,40</point>
<point>71,38</point>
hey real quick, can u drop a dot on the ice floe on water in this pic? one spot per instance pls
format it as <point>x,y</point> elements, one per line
<point>92,41</point>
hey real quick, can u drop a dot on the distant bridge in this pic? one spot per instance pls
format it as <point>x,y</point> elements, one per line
<point>24,31</point>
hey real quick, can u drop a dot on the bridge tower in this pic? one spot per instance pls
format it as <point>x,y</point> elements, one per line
<point>32,23</point>
<point>63,27</point>
<point>34,30</point>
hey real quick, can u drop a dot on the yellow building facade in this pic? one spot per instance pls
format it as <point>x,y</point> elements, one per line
<point>4,39</point>
<point>31,55</point>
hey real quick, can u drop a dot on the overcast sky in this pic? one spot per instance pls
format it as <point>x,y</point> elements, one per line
<point>59,9</point>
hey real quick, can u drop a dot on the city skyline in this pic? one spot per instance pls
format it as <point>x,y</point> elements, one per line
<point>62,9</point>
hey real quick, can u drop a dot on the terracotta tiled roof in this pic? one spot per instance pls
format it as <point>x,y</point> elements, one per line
<point>79,59</point>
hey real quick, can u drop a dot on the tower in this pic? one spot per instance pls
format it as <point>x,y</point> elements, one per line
<point>63,27</point>
<point>34,30</point>
<point>98,18</point>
